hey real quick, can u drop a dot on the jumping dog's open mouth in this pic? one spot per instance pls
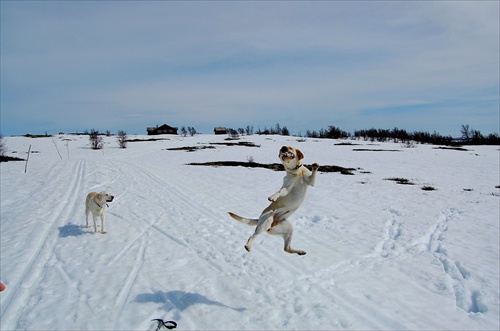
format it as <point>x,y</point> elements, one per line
<point>287,155</point>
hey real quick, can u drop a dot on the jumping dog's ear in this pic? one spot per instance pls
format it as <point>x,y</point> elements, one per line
<point>299,154</point>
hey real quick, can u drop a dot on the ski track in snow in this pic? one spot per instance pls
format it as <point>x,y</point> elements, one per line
<point>125,291</point>
<point>172,252</point>
<point>33,271</point>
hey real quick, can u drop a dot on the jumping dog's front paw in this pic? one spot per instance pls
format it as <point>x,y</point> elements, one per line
<point>273,197</point>
<point>315,166</point>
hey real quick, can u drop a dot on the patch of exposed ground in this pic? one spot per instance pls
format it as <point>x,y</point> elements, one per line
<point>190,148</point>
<point>144,140</point>
<point>273,166</point>
<point>212,146</point>
<point>402,181</point>
<point>346,144</point>
<point>4,158</point>
<point>375,150</point>
<point>453,148</point>
<point>240,143</point>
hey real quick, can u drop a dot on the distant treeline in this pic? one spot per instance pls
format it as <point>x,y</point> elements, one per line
<point>277,130</point>
<point>469,135</point>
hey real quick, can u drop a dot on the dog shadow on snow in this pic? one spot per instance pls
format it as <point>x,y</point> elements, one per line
<point>72,230</point>
<point>180,300</point>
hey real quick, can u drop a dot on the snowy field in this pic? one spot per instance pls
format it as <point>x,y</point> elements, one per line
<point>380,255</point>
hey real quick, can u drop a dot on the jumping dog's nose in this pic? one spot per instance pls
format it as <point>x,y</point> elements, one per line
<point>284,149</point>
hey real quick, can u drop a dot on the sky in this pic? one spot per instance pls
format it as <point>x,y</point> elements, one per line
<point>71,66</point>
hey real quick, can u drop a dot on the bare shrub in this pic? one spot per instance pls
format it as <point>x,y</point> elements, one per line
<point>96,141</point>
<point>122,139</point>
<point>408,144</point>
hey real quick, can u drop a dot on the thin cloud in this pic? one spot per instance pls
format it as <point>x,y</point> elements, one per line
<point>240,63</point>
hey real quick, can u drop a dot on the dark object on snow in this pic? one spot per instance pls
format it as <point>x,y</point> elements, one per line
<point>167,324</point>
<point>272,166</point>
<point>4,158</point>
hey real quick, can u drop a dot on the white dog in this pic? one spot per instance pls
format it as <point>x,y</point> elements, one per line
<point>97,204</point>
<point>284,202</point>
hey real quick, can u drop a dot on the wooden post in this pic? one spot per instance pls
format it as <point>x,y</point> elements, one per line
<point>26,166</point>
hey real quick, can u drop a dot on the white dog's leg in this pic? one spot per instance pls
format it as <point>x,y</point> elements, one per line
<point>311,180</point>
<point>87,211</point>
<point>285,229</point>
<point>103,231</point>
<point>264,224</point>
<point>95,222</point>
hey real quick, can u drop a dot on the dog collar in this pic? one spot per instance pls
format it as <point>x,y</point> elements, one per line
<point>298,166</point>
<point>98,204</point>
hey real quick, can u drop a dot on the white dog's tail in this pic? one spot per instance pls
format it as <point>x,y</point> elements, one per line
<point>247,221</point>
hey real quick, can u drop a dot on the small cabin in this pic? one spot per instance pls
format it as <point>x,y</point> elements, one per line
<point>164,129</point>
<point>220,130</point>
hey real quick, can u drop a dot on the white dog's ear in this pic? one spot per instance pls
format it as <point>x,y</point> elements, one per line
<point>99,196</point>
<point>299,154</point>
